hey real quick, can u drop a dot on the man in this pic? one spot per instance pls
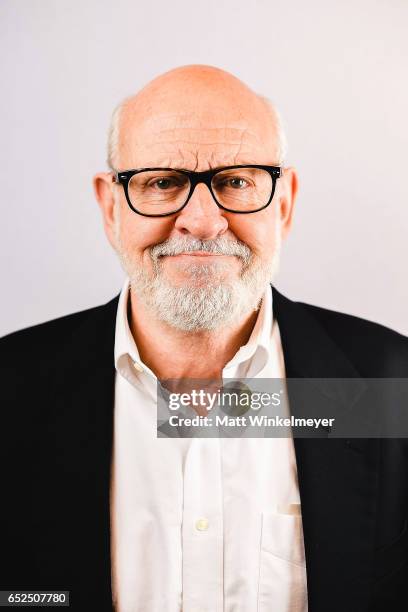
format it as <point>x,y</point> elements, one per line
<point>94,501</point>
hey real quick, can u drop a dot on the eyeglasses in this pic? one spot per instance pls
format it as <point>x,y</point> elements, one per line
<point>159,192</point>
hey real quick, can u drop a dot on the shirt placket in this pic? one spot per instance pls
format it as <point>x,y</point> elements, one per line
<point>202,528</point>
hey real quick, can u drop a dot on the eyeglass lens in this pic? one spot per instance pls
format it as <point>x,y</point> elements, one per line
<point>164,191</point>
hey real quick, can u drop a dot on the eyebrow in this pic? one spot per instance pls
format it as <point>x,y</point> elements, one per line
<point>180,166</point>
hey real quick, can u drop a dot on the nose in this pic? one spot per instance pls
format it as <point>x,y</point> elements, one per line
<point>201,217</point>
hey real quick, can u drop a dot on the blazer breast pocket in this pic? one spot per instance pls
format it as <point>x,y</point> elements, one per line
<point>282,571</point>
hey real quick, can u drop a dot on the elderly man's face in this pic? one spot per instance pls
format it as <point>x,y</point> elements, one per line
<point>198,130</point>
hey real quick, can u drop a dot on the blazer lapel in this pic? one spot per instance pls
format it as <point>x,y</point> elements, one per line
<point>337,477</point>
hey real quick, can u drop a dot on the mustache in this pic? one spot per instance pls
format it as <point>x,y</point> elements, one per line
<point>219,246</point>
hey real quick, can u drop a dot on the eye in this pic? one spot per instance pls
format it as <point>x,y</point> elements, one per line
<point>232,182</point>
<point>164,183</point>
<point>238,182</point>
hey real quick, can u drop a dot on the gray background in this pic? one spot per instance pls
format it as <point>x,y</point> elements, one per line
<point>337,72</point>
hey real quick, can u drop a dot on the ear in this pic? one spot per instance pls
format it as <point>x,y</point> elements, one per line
<point>104,192</point>
<point>288,188</point>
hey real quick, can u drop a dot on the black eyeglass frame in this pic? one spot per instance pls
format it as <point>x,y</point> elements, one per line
<point>195,178</point>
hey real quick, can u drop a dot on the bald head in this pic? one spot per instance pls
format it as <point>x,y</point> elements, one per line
<point>194,117</point>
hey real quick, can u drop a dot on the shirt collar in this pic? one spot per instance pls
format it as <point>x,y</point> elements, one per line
<point>127,358</point>
<point>259,342</point>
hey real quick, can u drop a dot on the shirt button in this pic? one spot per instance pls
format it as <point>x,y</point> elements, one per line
<point>202,524</point>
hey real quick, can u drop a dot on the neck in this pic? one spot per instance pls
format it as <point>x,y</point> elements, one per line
<point>172,353</point>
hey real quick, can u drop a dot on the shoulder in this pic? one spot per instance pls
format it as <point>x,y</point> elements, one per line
<point>320,340</point>
<point>369,343</point>
<point>41,341</point>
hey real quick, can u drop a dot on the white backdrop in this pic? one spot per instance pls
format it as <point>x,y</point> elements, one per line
<point>337,72</point>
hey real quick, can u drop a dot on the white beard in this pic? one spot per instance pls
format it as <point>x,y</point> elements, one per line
<point>213,302</point>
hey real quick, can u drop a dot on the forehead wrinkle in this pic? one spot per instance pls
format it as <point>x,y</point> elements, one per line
<point>175,148</point>
<point>192,160</point>
<point>187,135</point>
<point>178,161</point>
<point>240,148</point>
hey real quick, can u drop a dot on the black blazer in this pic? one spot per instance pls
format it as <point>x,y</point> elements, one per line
<point>56,438</point>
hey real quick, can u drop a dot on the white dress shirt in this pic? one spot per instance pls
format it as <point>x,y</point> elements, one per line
<point>202,524</point>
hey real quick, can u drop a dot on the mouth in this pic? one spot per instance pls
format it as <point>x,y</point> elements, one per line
<point>198,254</point>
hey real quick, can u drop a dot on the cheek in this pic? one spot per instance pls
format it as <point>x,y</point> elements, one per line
<point>257,231</point>
<point>139,233</point>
